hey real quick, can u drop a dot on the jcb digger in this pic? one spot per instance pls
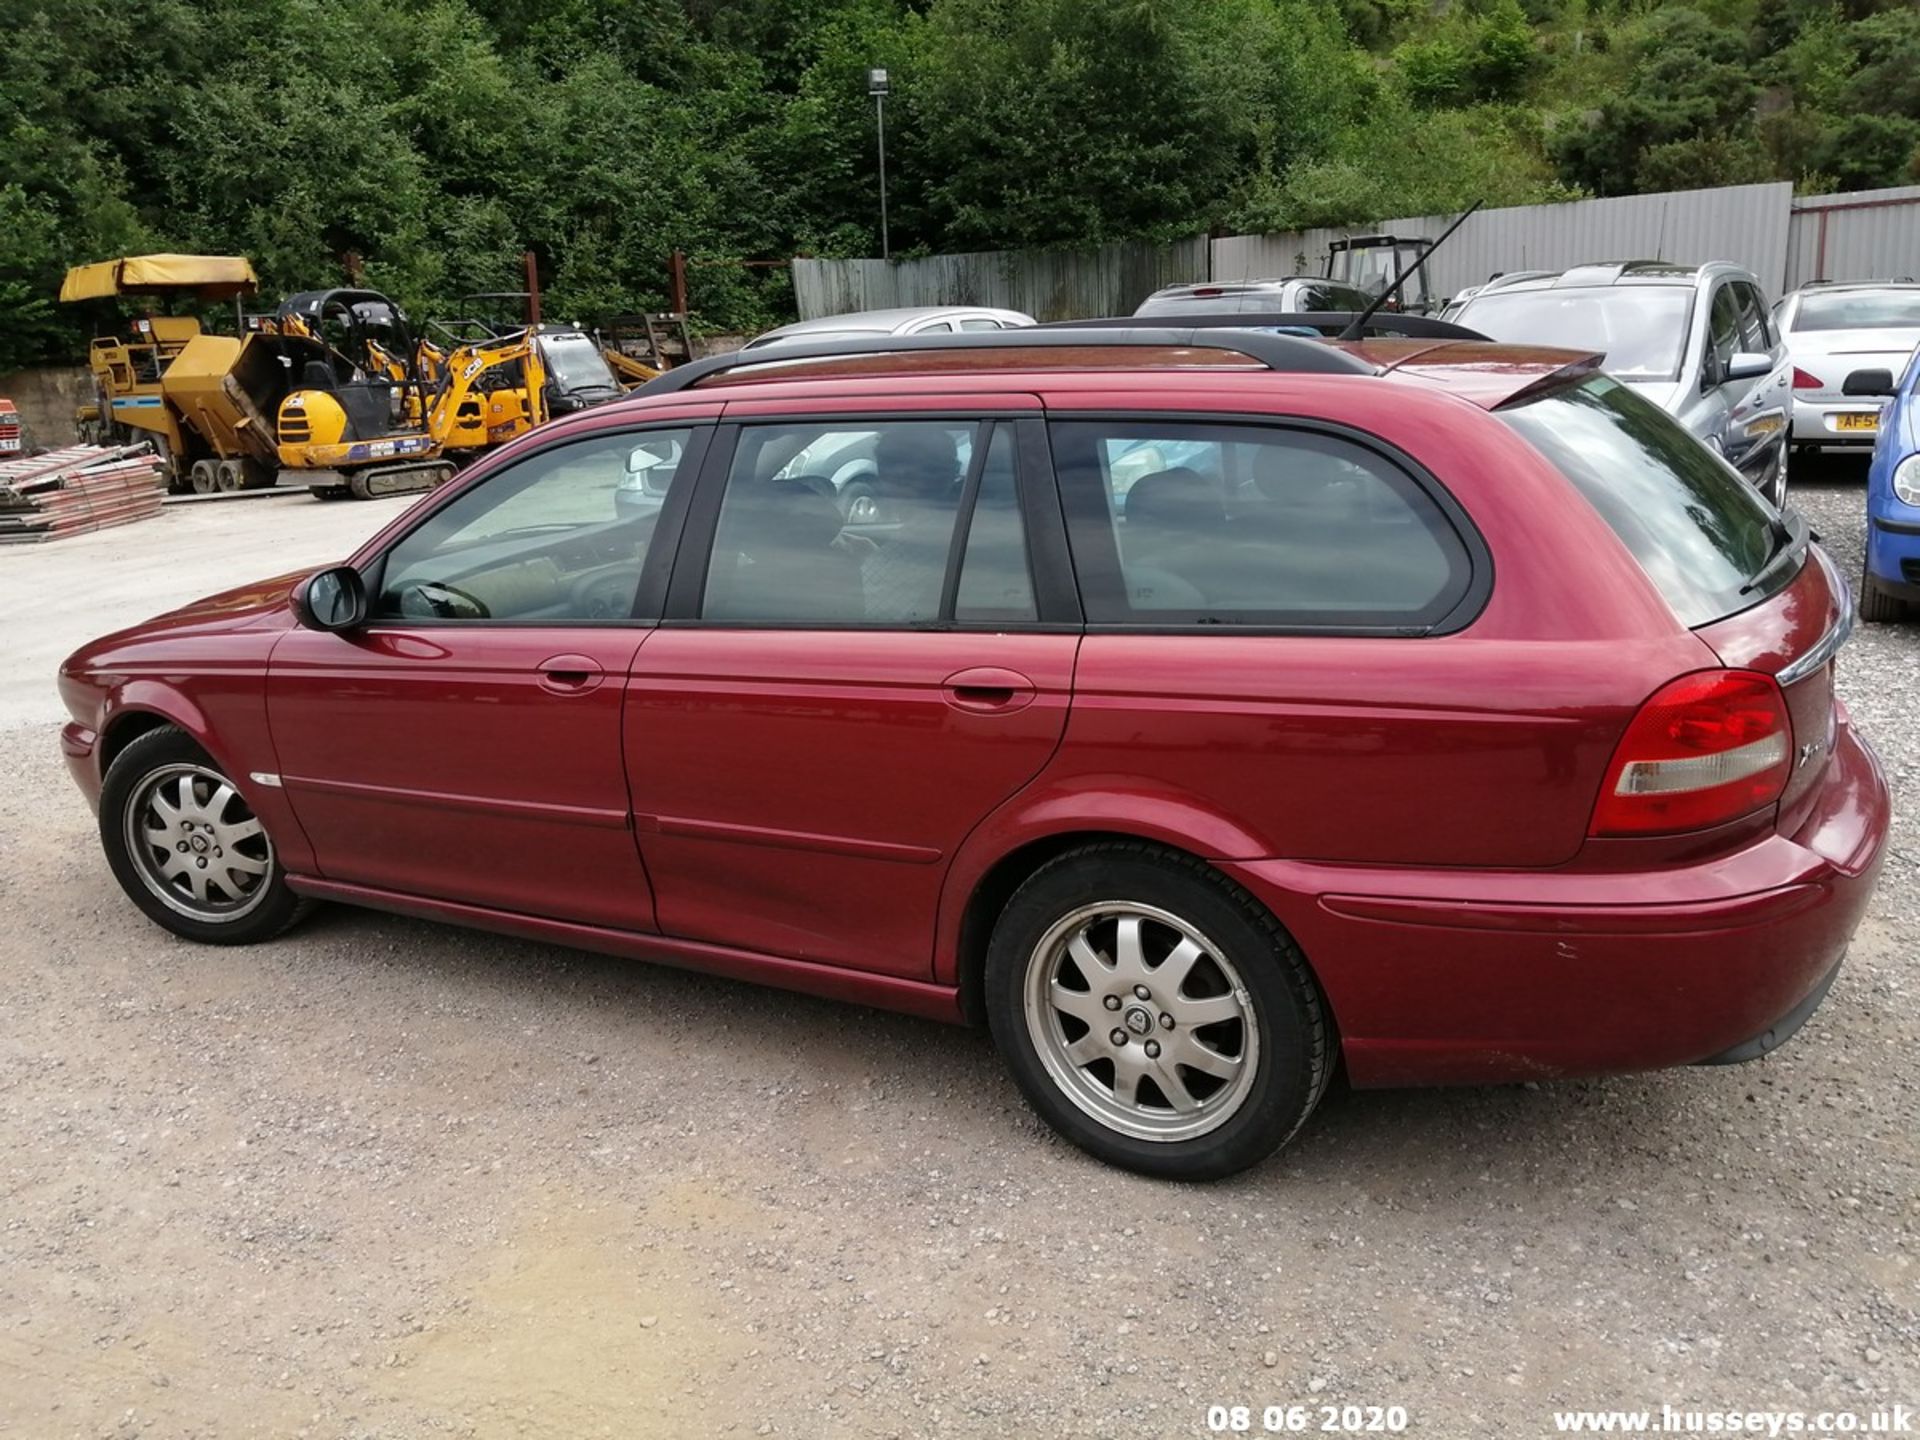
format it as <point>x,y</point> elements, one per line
<point>335,383</point>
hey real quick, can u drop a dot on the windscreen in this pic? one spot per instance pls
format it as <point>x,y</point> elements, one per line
<point>1641,329</point>
<point>1699,530</point>
<point>575,363</point>
<point>1859,310</point>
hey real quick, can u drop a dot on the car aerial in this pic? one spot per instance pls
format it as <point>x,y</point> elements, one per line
<point>1890,572</point>
<point>1440,712</point>
<point>1214,297</point>
<point>1832,331</point>
<point>880,324</point>
<point>1697,340</point>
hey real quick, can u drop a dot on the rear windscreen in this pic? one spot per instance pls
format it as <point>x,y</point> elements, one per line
<point>1700,531</point>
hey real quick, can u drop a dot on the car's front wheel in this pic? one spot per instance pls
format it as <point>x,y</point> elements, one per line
<point>186,847</point>
<point>1154,1013</point>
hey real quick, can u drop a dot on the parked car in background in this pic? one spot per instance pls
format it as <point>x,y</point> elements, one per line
<point>878,324</point>
<point>1314,747</point>
<point>1890,573</point>
<point>1500,281</point>
<point>1698,341</point>
<point>1214,297</point>
<point>1831,332</point>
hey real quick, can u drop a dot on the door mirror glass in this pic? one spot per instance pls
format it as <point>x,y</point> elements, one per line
<point>1868,382</point>
<point>1748,366</point>
<point>333,600</point>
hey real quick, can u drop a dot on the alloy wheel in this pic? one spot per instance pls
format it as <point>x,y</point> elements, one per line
<point>196,844</point>
<point>1141,1021</point>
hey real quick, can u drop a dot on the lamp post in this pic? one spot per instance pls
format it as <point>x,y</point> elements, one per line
<point>877,87</point>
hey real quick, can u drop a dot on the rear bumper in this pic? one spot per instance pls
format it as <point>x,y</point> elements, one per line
<point>1817,422</point>
<point>1472,977</point>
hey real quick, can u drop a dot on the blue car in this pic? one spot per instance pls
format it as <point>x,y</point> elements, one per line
<point>1890,586</point>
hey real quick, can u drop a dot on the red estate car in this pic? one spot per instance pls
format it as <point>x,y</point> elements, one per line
<point>1200,710</point>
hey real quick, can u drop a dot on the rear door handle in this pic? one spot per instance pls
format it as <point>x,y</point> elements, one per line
<point>989,690</point>
<point>570,674</point>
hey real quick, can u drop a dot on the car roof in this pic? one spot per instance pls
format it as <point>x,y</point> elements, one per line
<point>1236,287</point>
<point>1614,272</point>
<point>1836,287</point>
<point>1158,362</point>
<point>887,319</point>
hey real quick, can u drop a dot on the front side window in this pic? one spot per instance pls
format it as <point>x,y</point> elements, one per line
<point>561,535</point>
<point>1252,525</point>
<point>829,525</point>
<point>1723,328</point>
<point>980,323</point>
<point>1756,331</point>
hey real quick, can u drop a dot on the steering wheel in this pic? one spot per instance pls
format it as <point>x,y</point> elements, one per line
<point>441,602</point>
<point>606,596</point>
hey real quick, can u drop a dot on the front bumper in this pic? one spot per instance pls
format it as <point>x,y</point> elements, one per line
<point>1473,977</point>
<point>77,744</point>
<point>1893,554</point>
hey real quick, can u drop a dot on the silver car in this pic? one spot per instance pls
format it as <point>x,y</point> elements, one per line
<point>1832,331</point>
<point>1697,340</point>
<point>880,324</point>
<point>1296,296</point>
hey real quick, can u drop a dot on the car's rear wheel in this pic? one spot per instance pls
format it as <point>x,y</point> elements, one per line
<point>186,847</point>
<point>1154,1013</point>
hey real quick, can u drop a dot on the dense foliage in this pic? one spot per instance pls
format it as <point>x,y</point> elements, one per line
<point>425,143</point>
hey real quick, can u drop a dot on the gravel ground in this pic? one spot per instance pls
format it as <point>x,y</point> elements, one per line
<point>389,1179</point>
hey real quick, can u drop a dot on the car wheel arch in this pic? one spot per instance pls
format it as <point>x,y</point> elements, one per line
<point>1005,850</point>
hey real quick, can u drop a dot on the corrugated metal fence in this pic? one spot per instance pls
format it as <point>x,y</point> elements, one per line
<point>1873,234</point>
<point>1047,284</point>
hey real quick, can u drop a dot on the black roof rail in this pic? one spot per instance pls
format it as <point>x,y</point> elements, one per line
<point>1387,324</point>
<point>1277,352</point>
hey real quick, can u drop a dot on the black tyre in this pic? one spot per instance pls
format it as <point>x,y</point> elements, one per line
<point>1154,1013</point>
<point>1876,605</point>
<point>859,504</point>
<point>186,848</point>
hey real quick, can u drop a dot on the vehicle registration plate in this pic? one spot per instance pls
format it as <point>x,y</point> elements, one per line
<point>1856,422</point>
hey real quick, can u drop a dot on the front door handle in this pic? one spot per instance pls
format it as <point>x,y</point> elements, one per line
<point>570,674</point>
<point>989,690</point>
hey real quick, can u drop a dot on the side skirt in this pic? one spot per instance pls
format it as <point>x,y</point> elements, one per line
<point>832,982</point>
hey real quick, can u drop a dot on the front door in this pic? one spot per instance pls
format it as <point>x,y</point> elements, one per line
<point>833,705</point>
<point>465,744</point>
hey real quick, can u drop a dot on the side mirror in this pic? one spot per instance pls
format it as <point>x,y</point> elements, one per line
<point>1868,382</point>
<point>1748,365</point>
<point>332,600</point>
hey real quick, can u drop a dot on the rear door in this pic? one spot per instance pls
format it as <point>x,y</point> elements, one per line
<point>1271,612</point>
<point>831,706</point>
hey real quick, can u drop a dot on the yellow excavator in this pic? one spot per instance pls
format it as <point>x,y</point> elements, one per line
<point>161,380</point>
<point>325,382</point>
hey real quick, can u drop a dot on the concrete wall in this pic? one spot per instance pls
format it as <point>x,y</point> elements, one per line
<point>46,399</point>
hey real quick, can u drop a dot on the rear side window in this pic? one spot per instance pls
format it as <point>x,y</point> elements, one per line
<point>1699,530</point>
<point>905,524</point>
<point>1176,524</point>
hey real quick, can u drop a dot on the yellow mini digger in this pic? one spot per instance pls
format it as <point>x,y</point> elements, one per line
<point>354,407</point>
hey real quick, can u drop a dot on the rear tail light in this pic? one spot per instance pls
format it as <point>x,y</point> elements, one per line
<point>1705,749</point>
<point>1803,381</point>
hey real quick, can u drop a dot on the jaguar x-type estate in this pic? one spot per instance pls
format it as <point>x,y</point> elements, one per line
<point>1204,712</point>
